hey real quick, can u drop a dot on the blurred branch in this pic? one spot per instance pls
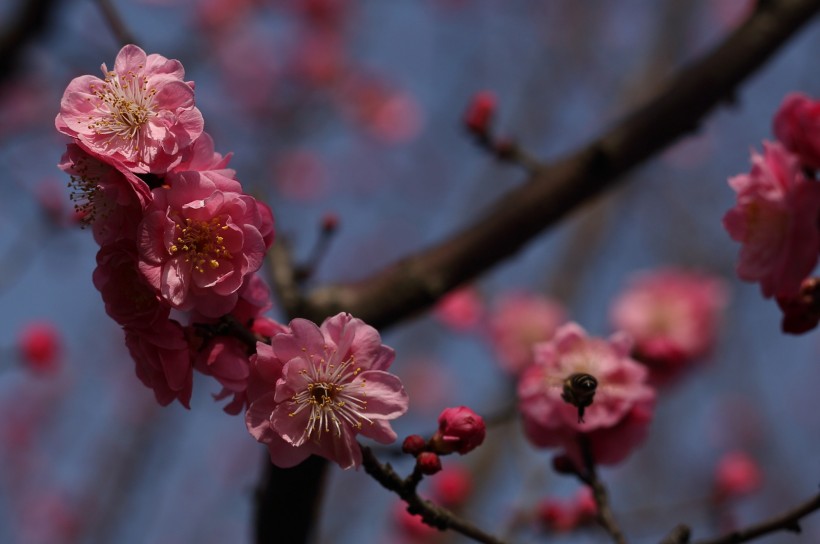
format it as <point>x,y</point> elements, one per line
<point>115,23</point>
<point>590,477</point>
<point>678,535</point>
<point>30,19</point>
<point>789,521</point>
<point>417,281</point>
<point>433,515</point>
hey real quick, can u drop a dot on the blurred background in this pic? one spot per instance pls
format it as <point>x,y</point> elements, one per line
<point>354,108</point>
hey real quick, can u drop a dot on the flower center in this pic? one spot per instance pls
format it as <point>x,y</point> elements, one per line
<point>201,243</point>
<point>328,397</point>
<point>126,106</point>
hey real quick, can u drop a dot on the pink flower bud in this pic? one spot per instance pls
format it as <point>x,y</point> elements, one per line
<point>330,222</point>
<point>459,429</point>
<point>480,113</point>
<point>563,465</point>
<point>428,462</point>
<point>556,516</point>
<point>413,444</point>
<point>736,474</point>
<point>39,346</point>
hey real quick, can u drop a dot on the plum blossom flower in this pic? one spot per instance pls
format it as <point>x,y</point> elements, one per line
<point>518,321</point>
<point>163,361</point>
<point>776,220</point>
<point>321,386</point>
<point>128,299</point>
<point>615,422</point>
<point>797,126</point>
<point>141,114</point>
<point>461,310</point>
<point>672,316</point>
<point>459,429</point>
<point>200,239</point>
<point>106,195</point>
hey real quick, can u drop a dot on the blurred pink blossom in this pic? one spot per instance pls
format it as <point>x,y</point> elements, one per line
<point>775,220</point>
<point>452,486</point>
<point>40,347</point>
<point>461,309</point>
<point>142,114</point>
<point>321,387</point>
<point>672,316</point>
<point>736,474</point>
<point>518,321</point>
<point>797,126</point>
<point>615,423</point>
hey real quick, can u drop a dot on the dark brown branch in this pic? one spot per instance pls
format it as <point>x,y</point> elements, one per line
<point>789,521</point>
<point>678,535</point>
<point>29,20</point>
<point>590,477</point>
<point>433,515</point>
<point>416,282</point>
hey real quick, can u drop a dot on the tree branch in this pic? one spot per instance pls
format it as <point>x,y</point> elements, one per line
<point>30,19</point>
<point>556,189</point>
<point>433,515</point>
<point>789,521</point>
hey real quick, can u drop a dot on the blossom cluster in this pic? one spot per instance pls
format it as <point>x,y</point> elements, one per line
<point>175,229</point>
<point>777,214</point>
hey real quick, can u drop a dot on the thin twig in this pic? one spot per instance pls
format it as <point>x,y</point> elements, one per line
<point>590,477</point>
<point>433,515</point>
<point>788,521</point>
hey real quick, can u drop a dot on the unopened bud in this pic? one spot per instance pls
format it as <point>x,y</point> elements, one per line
<point>413,444</point>
<point>480,113</point>
<point>428,462</point>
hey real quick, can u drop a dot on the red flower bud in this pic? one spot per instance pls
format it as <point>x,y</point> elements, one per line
<point>413,444</point>
<point>459,429</point>
<point>480,113</point>
<point>428,462</point>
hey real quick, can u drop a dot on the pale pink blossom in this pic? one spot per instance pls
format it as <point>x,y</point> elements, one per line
<point>141,114</point>
<point>163,361</point>
<point>618,417</point>
<point>325,385</point>
<point>672,316</point>
<point>797,126</point>
<point>105,194</point>
<point>200,239</point>
<point>518,321</point>
<point>129,299</point>
<point>460,430</point>
<point>776,220</point>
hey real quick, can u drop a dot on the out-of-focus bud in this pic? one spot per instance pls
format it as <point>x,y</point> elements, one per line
<point>330,222</point>
<point>563,465</point>
<point>480,113</point>
<point>736,474</point>
<point>39,346</point>
<point>452,486</point>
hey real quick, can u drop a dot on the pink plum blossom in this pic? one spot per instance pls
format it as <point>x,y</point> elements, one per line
<point>200,239</point>
<point>615,422</point>
<point>163,361</point>
<point>226,359</point>
<point>105,194</point>
<point>325,385</point>
<point>776,221</point>
<point>459,429</point>
<point>672,315</point>
<point>203,158</point>
<point>129,299</point>
<point>518,321</point>
<point>797,126</point>
<point>141,114</point>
